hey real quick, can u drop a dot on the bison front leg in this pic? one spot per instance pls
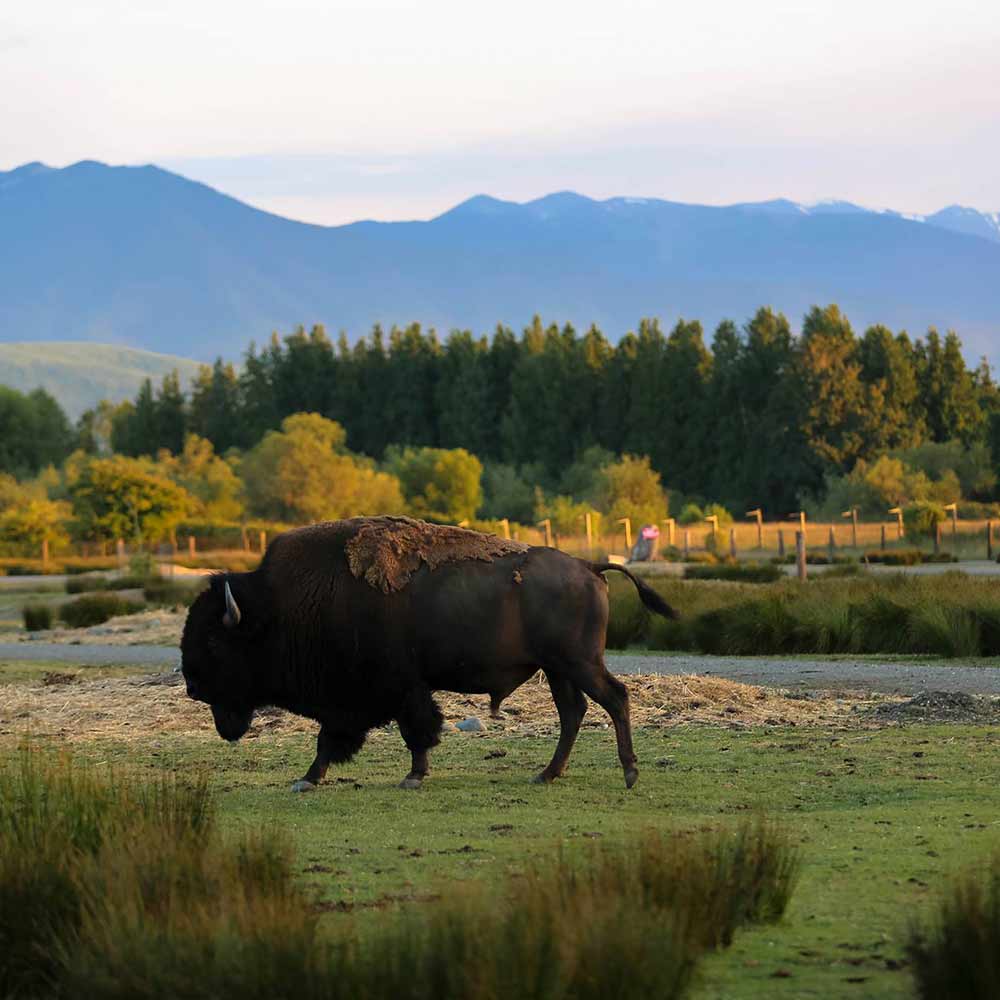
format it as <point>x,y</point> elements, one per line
<point>572,707</point>
<point>331,748</point>
<point>420,722</point>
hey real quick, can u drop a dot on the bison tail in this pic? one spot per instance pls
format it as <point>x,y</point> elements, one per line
<point>647,595</point>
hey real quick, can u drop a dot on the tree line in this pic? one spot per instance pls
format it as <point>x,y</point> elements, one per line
<point>758,416</point>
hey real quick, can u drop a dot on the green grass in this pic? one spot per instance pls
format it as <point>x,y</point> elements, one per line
<point>882,819</point>
<point>34,671</point>
<point>116,884</point>
<point>951,615</point>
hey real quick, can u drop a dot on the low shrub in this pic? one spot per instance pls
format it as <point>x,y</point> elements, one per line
<point>922,517</point>
<point>37,617</point>
<point>895,557</point>
<point>957,955</point>
<point>170,594</point>
<point>85,583</point>
<point>739,572</point>
<point>94,609</point>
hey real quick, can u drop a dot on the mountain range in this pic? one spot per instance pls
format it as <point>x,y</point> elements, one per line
<point>142,257</point>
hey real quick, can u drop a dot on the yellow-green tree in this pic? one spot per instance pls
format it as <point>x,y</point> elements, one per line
<point>209,479</point>
<point>121,497</point>
<point>631,488</point>
<point>305,473</point>
<point>443,484</point>
<point>30,523</point>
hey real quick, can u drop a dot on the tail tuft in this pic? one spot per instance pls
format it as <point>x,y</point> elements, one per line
<point>647,595</point>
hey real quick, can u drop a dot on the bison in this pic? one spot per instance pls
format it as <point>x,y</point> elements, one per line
<point>320,632</point>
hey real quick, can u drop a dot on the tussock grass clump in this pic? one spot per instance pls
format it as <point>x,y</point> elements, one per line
<point>950,615</point>
<point>615,921</point>
<point>37,617</point>
<point>737,572</point>
<point>94,609</point>
<point>957,957</point>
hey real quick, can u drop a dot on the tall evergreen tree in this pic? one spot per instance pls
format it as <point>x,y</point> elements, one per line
<point>829,370</point>
<point>896,417</point>
<point>215,406</point>
<point>171,414</point>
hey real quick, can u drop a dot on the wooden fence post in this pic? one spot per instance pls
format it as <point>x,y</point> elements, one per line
<point>120,551</point>
<point>192,547</point>
<point>832,544</point>
<point>263,542</point>
<point>781,544</point>
<point>687,543</point>
<point>937,537</point>
<point>883,537</point>
<point>732,542</point>
<point>45,550</point>
<point>989,540</point>
<point>245,538</point>
<point>800,554</point>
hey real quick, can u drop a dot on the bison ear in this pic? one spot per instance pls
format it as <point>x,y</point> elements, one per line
<point>232,616</point>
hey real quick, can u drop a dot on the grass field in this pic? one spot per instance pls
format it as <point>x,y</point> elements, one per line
<point>882,817</point>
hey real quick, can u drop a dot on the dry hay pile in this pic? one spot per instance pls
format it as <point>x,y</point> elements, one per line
<point>386,551</point>
<point>150,706</point>
<point>158,628</point>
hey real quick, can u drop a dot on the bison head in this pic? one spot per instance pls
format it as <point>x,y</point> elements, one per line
<point>217,658</point>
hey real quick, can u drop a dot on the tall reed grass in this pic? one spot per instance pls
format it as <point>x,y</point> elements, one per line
<point>114,888</point>
<point>957,956</point>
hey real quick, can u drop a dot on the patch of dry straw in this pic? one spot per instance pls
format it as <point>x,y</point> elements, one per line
<point>149,706</point>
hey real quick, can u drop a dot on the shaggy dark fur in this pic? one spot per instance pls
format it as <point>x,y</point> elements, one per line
<point>309,636</point>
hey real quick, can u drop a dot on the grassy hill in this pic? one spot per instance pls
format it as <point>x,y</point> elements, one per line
<point>79,374</point>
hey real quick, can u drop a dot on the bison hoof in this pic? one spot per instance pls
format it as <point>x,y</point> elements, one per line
<point>542,779</point>
<point>631,777</point>
<point>411,783</point>
<point>302,785</point>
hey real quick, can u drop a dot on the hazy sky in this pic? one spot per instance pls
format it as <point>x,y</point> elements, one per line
<point>331,111</point>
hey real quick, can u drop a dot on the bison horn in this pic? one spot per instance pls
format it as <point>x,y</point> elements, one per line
<point>232,616</point>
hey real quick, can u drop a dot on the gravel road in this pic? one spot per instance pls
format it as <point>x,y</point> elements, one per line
<point>812,673</point>
<point>62,652</point>
<point>803,673</point>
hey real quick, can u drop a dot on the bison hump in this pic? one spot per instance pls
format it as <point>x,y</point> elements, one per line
<point>386,551</point>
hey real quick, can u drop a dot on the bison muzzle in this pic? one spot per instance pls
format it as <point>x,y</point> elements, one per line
<point>305,633</point>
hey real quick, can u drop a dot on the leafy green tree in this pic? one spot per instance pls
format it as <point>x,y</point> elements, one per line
<point>506,493</point>
<point>93,429</point>
<point>305,473</point>
<point>34,431</point>
<point>121,497</point>
<point>567,516</point>
<point>210,480</point>
<point>631,488</point>
<point>34,521</point>
<point>438,483</point>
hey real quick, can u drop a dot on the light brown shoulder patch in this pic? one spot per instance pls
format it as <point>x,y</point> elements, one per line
<point>386,551</point>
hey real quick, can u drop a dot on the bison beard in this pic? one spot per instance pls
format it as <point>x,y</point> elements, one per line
<point>356,623</point>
